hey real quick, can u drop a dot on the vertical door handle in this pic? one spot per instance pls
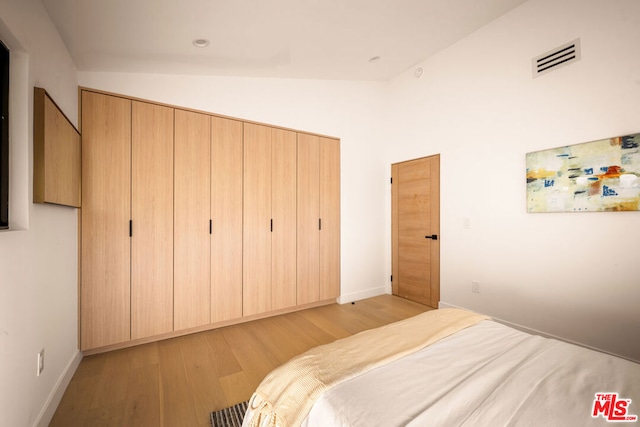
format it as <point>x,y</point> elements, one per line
<point>432,237</point>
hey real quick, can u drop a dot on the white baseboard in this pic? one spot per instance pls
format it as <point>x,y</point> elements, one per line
<point>516,326</point>
<point>540,333</point>
<point>369,293</point>
<point>50,406</point>
<point>442,304</point>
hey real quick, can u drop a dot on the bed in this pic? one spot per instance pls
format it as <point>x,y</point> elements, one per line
<point>479,373</point>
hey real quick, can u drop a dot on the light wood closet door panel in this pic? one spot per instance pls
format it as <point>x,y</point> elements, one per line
<point>152,220</point>
<point>192,248</point>
<point>257,218</point>
<point>226,211</point>
<point>330,216</point>
<point>283,243</point>
<point>308,200</point>
<point>106,209</point>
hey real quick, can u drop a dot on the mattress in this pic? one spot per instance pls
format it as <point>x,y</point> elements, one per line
<point>487,375</point>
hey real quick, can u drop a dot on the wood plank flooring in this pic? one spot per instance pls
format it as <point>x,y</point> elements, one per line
<point>178,382</point>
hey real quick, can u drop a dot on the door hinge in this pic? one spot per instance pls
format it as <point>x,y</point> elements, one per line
<point>320,224</point>
<point>272,225</point>
<point>392,277</point>
<point>210,226</point>
<point>130,228</point>
<point>391,180</point>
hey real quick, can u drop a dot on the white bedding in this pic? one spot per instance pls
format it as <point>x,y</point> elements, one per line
<point>486,375</point>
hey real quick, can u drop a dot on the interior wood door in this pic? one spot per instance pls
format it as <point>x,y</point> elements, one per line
<point>152,220</point>
<point>330,218</point>
<point>415,194</point>
<point>226,215</point>
<point>192,238</point>
<point>257,220</point>
<point>308,200</point>
<point>105,298</point>
<point>283,210</point>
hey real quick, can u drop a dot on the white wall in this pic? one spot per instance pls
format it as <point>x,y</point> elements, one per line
<point>351,111</point>
<point>38,257</point>
<point>572,275</point>
<point>576,275</point>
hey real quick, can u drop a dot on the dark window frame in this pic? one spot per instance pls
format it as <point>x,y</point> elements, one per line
<point>4,136</point>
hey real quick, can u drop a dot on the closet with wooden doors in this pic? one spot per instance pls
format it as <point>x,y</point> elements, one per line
<point>269,249</point>
<point>127,220</point>
<point>318,200</point>
<point>191,221</point>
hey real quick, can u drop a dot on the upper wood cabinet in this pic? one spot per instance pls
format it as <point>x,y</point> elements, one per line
<point>105,297</point>
<point>56,154</point>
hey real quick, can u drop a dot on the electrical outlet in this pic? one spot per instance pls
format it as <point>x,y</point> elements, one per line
<point>40,362</point>
<point>475,287</point>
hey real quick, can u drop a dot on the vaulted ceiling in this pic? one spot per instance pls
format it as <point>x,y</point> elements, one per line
<point>318,39</point>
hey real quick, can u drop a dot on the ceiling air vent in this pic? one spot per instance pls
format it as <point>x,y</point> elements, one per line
<point>559,57</point>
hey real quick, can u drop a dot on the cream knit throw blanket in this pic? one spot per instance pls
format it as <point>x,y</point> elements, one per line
<point>286,395</point>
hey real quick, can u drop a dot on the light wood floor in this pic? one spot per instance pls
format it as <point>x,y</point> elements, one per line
<point>177,382</point>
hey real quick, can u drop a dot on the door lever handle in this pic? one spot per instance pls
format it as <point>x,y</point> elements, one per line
<point>432,237</point>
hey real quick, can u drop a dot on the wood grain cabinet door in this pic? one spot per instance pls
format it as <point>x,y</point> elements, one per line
<point>226,214</point>
<point>283,211</point>
<point>192,204</point>
<point>105,299</point>
<point>318,239</point>
<point>257,220</point>
<point>330,218</point>
<point>152,220</point>
<point>308,238</point>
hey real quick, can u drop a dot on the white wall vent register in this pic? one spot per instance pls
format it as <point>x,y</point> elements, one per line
<point>559,57</point>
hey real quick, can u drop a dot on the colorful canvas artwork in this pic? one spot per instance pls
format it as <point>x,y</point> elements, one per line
<point>598,176</point>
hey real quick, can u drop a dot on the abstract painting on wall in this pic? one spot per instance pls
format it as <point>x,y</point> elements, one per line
<point>598,176</point>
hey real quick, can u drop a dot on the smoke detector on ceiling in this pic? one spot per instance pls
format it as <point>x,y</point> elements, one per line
<point>201,43</point>
<point>556,58</point>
